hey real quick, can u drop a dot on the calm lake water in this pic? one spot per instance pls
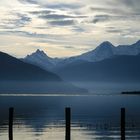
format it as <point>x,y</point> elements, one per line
<point>94,117</point>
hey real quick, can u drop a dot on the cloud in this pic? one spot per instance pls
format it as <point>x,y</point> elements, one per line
<point>64,6</point>
<point>59,16</point>
<point>101,18</point>
<point>56,16</point>
<point>62,22</point>
<point>108,10</point>
<point>28,1</point>
<point>112,18</point>
<point>76,48</point>
<point>42,12</point>
<point>20,20</point>
<point>53,4</point>
<point>21,33</point>
<point>131,6</point>
<point>114,30</point>
<point>124,32</point>
<point>69,47</point>
<point>117,7</point>
<point>78,29</point>
<point>131,3</point>
<point>75,23</point>
<point>23,19</point>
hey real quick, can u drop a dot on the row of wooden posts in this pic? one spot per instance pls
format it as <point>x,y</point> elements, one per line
<point>67,124</point>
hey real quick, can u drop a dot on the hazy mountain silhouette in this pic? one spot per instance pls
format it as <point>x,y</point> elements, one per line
<point>41,59</point>
<point>13,69</point>
<point>122,68</point>
<point>103,51</point>
<point>19,77</point>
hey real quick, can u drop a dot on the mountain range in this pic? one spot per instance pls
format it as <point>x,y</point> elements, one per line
<point>17,76</point>
<point>15,69</point>
<point>40,73</point>
<point>119,69</point>
<point>103,51</point>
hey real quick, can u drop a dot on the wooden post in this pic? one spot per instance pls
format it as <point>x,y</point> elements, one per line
<point>11,111</point>
<point>122,123</point>
<point>68,123</point>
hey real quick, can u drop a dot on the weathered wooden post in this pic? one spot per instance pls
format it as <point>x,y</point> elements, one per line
<point>122,123</point>
<point>11,111</point>
<point>68,123</point>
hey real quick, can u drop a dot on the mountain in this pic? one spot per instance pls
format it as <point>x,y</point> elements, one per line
<point>121,68</point>
<point>133,49</point>
<point>13,69</point>
<point>41,59</point>
<point>17,76</point>
<point>103,51</point>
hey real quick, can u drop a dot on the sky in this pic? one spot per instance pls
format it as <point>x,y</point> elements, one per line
<point>64,28</point>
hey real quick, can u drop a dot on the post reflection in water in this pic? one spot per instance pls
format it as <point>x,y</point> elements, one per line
<point>93,117</point>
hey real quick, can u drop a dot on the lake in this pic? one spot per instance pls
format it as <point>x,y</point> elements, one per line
<point>94,117</point>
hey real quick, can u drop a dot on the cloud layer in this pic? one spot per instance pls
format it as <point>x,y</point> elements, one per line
<point>65,28</point>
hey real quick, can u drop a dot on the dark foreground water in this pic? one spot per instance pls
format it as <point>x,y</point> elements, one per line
<point>94,117</point>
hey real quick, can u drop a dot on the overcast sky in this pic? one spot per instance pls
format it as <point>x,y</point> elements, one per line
<point>65,28</point>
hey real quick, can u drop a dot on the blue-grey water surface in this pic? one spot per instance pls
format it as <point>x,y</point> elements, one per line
<point>94,117</point>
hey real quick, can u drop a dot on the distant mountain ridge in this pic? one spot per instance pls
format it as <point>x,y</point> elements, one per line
<point>40,58</point>
<point>12,68</point>
<point>119,68</point>
<point>103,51</point>
<point>17,76</point>
<point>106,63</point>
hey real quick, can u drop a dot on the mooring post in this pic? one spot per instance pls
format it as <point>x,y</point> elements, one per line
<point>68,123</point>
<point>122,123</point>
<point>11,111</point>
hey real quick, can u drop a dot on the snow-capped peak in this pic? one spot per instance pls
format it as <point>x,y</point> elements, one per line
<point>103,51</point>
<point>41,59</point>
<point>39,53</point>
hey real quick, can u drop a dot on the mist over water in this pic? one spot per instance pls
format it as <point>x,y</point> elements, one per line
<point>107,87</point>
<point>73,87</point>
<point>38,87</point>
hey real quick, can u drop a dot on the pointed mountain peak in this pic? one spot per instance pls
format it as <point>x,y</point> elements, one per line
<point>40,51</point>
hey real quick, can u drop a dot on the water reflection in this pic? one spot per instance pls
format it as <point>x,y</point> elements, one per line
<point>93,117</point>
